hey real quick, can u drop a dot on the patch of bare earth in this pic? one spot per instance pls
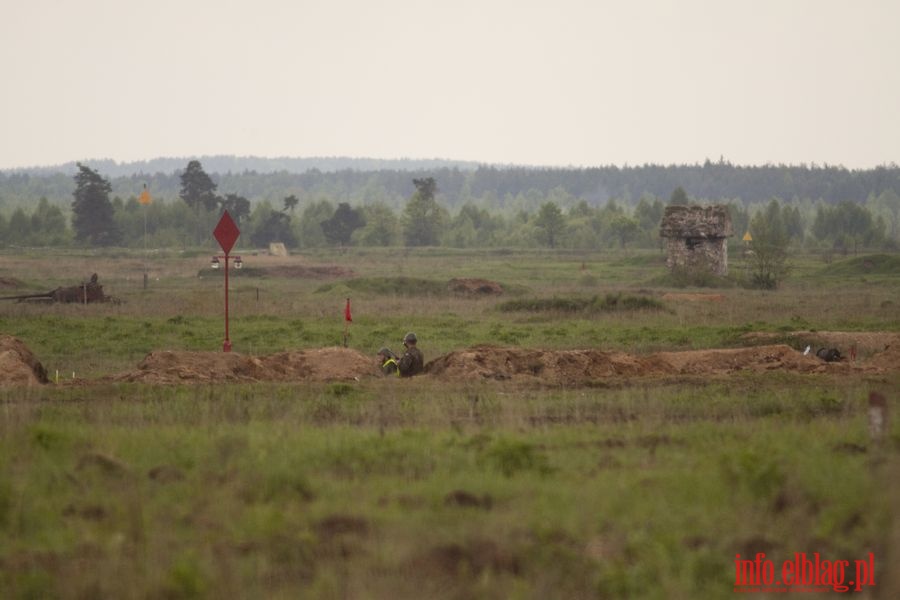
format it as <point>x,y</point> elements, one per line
<point>18,365</point>
<point>324,364</point>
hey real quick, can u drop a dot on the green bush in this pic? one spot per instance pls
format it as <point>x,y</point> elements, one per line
<point>607,303</point>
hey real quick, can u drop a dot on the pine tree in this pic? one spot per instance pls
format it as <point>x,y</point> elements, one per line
<point>197,189</point>
<point>92,212</point>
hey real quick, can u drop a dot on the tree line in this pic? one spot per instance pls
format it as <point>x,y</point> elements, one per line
<point>558,220</point>
<point>504,190</point>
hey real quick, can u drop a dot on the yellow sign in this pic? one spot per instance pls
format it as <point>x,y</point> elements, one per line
<point>748,237</point>
<point>145,197</point>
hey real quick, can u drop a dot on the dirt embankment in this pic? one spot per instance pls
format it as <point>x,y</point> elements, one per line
<point>556,367</point>
<point>18,366</point>
<point>866,342</point>
<point>581,366</point>
<point>325,364</point>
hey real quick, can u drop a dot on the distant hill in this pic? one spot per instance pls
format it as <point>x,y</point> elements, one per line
<point>503,187</point>
<point>223,164</point>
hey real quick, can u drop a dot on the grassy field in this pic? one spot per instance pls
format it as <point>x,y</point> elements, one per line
<point>427,488</point>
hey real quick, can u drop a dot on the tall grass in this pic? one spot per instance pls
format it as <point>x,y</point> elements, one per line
<point>404,489</point>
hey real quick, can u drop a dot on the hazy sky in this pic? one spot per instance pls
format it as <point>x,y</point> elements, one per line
<point>550,82</point>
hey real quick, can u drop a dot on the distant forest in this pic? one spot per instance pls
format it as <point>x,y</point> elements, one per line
<point>495,188</point>
<point>431,203</point>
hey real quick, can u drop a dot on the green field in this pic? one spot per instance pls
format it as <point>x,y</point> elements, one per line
<point>432,488</point>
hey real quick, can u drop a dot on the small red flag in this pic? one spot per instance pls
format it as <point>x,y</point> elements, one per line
<point>347,316</point>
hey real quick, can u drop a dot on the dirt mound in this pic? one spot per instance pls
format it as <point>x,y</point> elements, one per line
<point>326,364</point>
<point>323,364</point>
<point>18,366</point>
<point>307,272</point>
<point>888,359</point>
<point>866,342</point>
<point>474,287</point>
<point>582,366</point>
<point>555,366</point>
<point>759,358</point>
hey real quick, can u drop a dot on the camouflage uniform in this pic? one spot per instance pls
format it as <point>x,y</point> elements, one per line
<point>388,362</point>
<point>412,362</point>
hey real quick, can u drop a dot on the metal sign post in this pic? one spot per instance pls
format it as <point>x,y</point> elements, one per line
<point>145,201</point>
<point>226,233</point>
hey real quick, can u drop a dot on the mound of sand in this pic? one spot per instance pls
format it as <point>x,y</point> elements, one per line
<point>325,364</point>
<point>18,366</point>
<point>581,366</point>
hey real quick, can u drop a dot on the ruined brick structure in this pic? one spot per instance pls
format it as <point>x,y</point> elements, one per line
<point>696,237</point>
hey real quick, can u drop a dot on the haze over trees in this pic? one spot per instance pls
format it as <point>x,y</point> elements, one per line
<point>474,207</point>
<point>495,188</point>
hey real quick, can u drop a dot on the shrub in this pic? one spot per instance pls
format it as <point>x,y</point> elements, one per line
<point>608,303</point>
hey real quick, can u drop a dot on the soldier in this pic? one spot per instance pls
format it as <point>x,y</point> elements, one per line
<point>412,362</point>
<point>388,361</point>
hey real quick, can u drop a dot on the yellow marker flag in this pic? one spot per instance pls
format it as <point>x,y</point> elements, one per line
<point>145,197</point>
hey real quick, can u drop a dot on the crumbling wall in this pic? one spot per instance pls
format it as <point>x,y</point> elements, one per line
<point>696,237</point>
<point>709,254</point>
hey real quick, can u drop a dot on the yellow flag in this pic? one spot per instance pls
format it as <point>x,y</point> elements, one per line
<point>145,197</point>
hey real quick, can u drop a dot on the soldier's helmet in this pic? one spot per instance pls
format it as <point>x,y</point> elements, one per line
<point>410,338</point>
<point>385,352</point>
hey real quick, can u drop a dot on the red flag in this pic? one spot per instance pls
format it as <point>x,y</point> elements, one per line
<point>347,316</point>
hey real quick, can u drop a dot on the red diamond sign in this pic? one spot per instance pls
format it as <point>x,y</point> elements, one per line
<point>226,232</point>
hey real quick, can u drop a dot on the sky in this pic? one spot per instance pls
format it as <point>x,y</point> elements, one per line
<point>528,82</point>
